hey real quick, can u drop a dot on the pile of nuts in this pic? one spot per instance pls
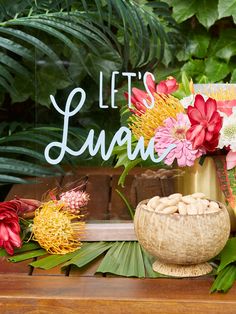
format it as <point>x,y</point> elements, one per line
<point>194,204</point>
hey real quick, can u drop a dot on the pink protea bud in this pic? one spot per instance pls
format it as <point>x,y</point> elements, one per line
<point>75,200</point>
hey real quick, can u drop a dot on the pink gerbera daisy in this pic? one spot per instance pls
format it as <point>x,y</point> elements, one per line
<point>174,132</point>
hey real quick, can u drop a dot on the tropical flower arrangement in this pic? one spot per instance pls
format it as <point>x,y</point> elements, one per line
<point>56,223</point>
<point>197,124</point>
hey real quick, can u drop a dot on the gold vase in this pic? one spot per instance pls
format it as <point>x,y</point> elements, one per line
<point>203,179</point>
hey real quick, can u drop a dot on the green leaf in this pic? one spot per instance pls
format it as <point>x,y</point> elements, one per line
<point>228,254</point>
<point>225,46</point>
<point>216,69</point>
<point>193,68</point>
<point>131,210</point>
<point>184,9</point>
<point>10,165</point>
<point>225,279</point>
<point>11,179</point>
<point>148,261</point>
<point>227,8</point>
<point>28,255</point>
<point>32,41</point>
<point>88,253</point>
<point>3,252</point>
<point>13,64</point>
<point>16,48</point>
<point>22,151</point>
<point>123,259</point>
<point>207,12</point>
<point>131,165</point>
<point>233,76</point>
<point>52,260</point>
<point>27,247</point>
<point>197,46</point>
<point>48,82</point>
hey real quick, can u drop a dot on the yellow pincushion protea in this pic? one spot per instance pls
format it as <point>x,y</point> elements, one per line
<point>57,230</point>
<point>165,106</point>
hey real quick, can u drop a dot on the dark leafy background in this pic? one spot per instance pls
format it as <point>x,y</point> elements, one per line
<point>50,47</point>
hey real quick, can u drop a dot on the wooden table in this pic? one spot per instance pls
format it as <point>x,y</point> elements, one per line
<point>27,290</point>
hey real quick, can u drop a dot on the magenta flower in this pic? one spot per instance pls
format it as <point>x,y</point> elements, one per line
<point>9,227</point>
<point>174,132</point>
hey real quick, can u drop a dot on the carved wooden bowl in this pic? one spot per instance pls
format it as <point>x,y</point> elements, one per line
<point>182,244</point>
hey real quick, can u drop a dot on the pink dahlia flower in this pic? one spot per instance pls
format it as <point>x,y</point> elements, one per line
<point>174,132</point>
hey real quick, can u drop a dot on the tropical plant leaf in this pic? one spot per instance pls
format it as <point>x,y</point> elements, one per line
<point>225,279</point>
<point>10,165</point>
<point>148,261</point>
<point>22,151</point>
<point>11,179</point>
<point>216,69</point>
<point>3,252</point>
<point>227,8</point>
<point>184,9</point>
<point>27,255</point>
<point>88,253</point>
<point>124,199</point>
<point>207,12</point>
<point>52,260</point>
<point>27,247</point>
<point>228,254</point>
<point>123,259</point>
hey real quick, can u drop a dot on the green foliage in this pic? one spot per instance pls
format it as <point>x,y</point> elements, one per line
<point>125,258</point>
<point>22,152</point>
<point>209,31</point>
<point>50,47</point>
<point>38,43</point>
<point>226,272</point>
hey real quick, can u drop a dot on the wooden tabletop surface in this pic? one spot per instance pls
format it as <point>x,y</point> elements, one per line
<point>27,290</point>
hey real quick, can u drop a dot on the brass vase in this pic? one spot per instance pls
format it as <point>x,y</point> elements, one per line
<point>203,178</point>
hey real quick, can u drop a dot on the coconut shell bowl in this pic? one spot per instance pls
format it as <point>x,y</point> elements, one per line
<point>182,232</point>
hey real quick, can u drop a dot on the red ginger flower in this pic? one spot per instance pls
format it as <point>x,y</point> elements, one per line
<point>165,87</point>
<point>9,226</point>
<point>206,123</point>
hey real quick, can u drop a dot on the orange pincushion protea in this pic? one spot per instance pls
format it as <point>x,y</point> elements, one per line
<point>57,230</point>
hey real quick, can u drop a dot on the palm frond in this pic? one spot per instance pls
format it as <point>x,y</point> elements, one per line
<point>125,258</point>
<point>22,156</point>
<point>137,34</point>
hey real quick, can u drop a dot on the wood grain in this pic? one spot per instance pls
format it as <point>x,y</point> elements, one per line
<point>7,267</point>
<point>110,232</point>
<point>34,191</point>
<point>98,187</point>
<point>82,292</point>
<point>88,270</point>
<point>106,295</point>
